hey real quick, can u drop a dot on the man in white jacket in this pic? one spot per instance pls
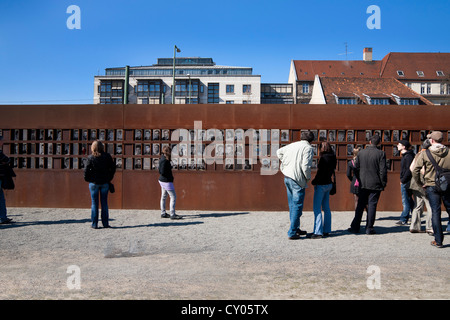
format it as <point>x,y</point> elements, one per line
<point>296,160</point>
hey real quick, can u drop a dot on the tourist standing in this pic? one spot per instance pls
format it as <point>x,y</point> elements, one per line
<point>372,169</point>
<point>296,160</point>
<point>322,186</point>
<point>99,172</point>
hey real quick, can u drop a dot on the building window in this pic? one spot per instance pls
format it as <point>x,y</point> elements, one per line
<point>409,101</point>
<point>148,88</point>
<point>422,88</point>
<point>420,73</point>
<point>347,101</point>
<point>230,102</point>
<point>400,73</point>
<point>377,101</point>
<point>428,88</point>
<point>213,93</point>
<point>440,73</point>
<point>109,90</point>
<point>305,88</point>
<point>247,89</point>
<point>230,88</point>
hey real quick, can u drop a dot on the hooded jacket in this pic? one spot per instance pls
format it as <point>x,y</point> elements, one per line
<point>441,154</point>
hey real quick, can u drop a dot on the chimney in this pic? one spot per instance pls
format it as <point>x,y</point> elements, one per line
<point>367,55</point>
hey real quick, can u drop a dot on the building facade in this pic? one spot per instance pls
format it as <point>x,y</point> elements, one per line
<point>428,74</point>
<point>197,81</point>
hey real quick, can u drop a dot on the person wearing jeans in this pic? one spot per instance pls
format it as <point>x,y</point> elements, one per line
<point>99,172</point>
<point>435,198</point>
<point>296,161</point>
<point>441,156</point>
<point>102,191</point>
<point>322,186</point>
<point>405,179</point>
<point>296,196</point>
<point>322,227</point>
<point>4,162</point>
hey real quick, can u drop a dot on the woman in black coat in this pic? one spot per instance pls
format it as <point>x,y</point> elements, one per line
<point>99,172</point>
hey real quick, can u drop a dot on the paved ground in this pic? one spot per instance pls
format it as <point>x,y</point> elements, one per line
<point>214,255</point>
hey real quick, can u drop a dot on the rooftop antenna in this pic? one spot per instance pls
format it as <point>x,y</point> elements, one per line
<point>346,51</point>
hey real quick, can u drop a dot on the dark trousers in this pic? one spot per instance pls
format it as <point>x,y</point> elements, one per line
<point>435,198</point>
<point>370,199</point>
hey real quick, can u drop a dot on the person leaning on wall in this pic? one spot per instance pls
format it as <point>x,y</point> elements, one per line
<point>99,172</point>
<point>166,182</point>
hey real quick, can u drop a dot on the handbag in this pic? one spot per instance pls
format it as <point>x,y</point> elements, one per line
<point>442,178</point>
<point>333,185</point>
<point>111,188</point>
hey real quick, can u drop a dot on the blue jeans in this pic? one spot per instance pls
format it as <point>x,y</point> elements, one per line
<point>102,190</point>
<point>2,204</point>
<point>296,195</point>
<point>407,202</point>
<point>435,203</point>
<point>322,202</point>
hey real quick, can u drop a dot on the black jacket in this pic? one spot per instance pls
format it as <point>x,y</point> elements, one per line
<point>325,169</point>
<point>372,168</point>
<point>405,173</point>
<point>100,170</point>
<point>4,163</point>
<point>165,170</point>
<point>352,175</point>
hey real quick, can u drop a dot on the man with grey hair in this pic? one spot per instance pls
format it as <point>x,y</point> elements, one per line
<point>441,156</point>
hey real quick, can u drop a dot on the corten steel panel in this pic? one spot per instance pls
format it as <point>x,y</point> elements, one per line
<point>216,190</point>
<point>61,116</point>
<point>57,188</point>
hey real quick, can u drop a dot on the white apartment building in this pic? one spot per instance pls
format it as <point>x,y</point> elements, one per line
<point>197,80</point>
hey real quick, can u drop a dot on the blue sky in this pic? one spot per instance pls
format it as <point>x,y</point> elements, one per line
<point>44,62</point>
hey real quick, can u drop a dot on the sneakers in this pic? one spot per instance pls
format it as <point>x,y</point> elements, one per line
<point>400,223</point>
<point>171,216</point>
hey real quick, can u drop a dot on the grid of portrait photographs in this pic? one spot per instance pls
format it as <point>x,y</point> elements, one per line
<point>192,149</point>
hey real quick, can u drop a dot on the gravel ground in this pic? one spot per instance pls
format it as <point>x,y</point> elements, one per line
<point>214,256</point>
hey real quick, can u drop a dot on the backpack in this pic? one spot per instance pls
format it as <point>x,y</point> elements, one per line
<point>442,179</point>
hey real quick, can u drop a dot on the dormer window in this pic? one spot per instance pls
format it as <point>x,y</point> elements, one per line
<point>440,73</point>
<point>420,73</point>
<point>400,73</point>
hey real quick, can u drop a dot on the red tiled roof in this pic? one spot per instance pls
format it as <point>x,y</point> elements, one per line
<point>407,62</point>
<point>350,87</point>
<point>307,69</point>
<point>412,62</point>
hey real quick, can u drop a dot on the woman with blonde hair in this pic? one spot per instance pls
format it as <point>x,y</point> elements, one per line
<point>166,182</point>
<point>99,172</point>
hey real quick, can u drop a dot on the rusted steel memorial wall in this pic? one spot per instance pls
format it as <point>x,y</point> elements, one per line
<point>225,155</point>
